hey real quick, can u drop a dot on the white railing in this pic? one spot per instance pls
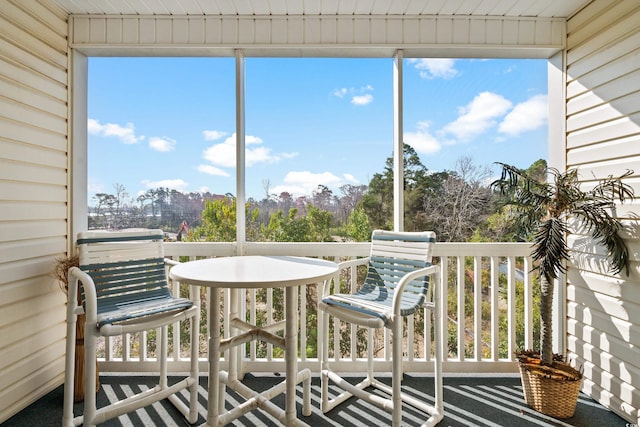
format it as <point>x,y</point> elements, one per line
<point>487,286</point>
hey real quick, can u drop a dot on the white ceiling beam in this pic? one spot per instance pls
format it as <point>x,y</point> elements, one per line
<point>323,36</point>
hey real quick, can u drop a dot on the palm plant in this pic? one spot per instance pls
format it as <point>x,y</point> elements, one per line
<point>544,208</point>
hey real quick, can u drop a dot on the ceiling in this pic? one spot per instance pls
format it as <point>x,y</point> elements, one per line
<point>507,8</point>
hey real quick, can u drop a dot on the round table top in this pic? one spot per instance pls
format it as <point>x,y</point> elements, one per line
<point>253,271</point>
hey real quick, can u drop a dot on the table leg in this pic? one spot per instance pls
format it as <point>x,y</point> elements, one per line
<point>291,352</point>
<point>233,354</point>
<point>213,406</point>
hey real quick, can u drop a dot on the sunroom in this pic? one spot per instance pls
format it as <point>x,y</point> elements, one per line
<point>593,51</point>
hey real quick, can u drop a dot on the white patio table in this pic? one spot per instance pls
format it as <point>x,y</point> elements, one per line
<point>243,272</point>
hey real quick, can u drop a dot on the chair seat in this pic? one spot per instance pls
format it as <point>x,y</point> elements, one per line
<point>373,301</point>
<point>366,304</point>
<point>130,311</point>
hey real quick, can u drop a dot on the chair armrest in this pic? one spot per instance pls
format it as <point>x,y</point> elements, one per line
<point>343,266</point>
<point>352,263</point>
<point>90,304</point>
<point>168,264</point>
<point>432,270</point>
<point>171,262</point>
<point>194,291</point>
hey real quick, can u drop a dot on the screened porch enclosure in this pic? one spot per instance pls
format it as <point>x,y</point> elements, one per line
<point>308,126</point>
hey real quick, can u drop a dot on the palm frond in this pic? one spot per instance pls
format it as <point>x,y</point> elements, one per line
<point>605,228</point>
<point>550,248</point>
<point>613,188</point>
<point>527,196</point>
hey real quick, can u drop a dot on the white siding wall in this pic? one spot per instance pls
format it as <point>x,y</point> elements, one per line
<point>603,138</point>
<point>33,199</point>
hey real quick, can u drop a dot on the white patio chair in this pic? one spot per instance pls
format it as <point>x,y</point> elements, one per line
<point>400,281</point>
<point>124,289</point>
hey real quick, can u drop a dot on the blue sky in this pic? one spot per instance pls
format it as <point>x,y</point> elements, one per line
<point>170,122</point>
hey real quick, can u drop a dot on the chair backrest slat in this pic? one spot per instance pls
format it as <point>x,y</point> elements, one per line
<point>394,254</point>
<point>126,267</point>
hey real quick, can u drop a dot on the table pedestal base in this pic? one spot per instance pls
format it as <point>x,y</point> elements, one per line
<point>216,415</point>
<point>262,400</point>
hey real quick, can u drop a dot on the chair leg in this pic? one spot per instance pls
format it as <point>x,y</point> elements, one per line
<point>195,373</point>
<point>324,359</point>
<point>191,382</point>
<point>370,375</point>
<point>67,415</point>
<point>163,349</point>
<point>439,322</point>
<point>89,377</point>
<point>396,380</point>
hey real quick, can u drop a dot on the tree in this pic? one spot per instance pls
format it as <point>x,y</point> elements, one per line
<point>143,199</point>
<point>378,202</point>
<point>462,203</point>
<point>289,228</point>
<point>351,196</point>
<point>418,183</point>
<point>219,220</point>
<point>322,197</point>
<point>358,228</point>
<point>313,227</point>
<point>320,222</point>
<point>285,201</point>
<point>105,210</point>
<point>544,209</point>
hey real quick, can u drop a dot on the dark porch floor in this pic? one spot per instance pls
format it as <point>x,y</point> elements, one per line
<point>469,401</point>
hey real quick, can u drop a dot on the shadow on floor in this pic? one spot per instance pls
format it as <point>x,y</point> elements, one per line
<point>469,401</point>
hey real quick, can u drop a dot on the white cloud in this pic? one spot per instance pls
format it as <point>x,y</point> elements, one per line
<point>174,184</point>
<point>224,153</point>
<point>212,135</point>
<point>212,170</point>
<point>126,134</point>
<point>260,154</point>
<point>340,93</point>
<point>94,188</point>
<point>350,178</point>
<point>303,183</point>
<point>362,99</point>
<point>162,144</point>
<point>478,116</point>
<point>528,115</point>
<point>359,96</point>
<point>432,68</point>
<point>422,140</point>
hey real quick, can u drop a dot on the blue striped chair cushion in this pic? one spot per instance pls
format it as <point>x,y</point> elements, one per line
<point>129,284</point>
<point>393,255</point>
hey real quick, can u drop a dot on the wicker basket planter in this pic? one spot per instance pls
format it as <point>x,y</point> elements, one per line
<point>551,390</point>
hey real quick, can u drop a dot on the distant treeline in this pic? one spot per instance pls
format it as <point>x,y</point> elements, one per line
<point>458,205</point>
